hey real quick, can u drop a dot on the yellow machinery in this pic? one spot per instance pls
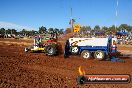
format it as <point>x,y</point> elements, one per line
<point>50,47</point>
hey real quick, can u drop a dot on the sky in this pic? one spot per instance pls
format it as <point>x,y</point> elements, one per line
<point>33,14</point>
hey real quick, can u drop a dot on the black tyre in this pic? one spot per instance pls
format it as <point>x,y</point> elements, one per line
<point>74,50</point>
<point>80,79</point>
<point>99,55</point>
<point>51,49</point>
<point>26,49</point>
<point>85,54</point>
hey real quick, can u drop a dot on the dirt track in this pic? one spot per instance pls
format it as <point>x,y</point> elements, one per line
<point>35,70</point>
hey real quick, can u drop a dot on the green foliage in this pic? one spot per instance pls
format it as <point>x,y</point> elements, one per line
<point>14,31</point>
<point>56,30</point>
<point>2,31</point>
<point>125,26</point>
<point>85,28</point>
<point>42,30</point>
<point>105,28</point>
<point>50,30</point>
<point>24,32</point>
<point>61,31</point>
<point>113,29</point>
<point>97,27</point>
<point>8,31</point>
<point>68,30</point>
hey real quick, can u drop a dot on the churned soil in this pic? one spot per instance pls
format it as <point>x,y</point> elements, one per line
<point>36,70</point>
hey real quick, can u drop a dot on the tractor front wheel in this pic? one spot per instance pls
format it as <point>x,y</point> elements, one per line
<point>26,49</point>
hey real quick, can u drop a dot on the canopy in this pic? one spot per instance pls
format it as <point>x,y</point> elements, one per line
<point>122,32</point>
<point>100,33</point>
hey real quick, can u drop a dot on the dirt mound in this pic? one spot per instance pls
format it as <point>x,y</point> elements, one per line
<point>64,37</point>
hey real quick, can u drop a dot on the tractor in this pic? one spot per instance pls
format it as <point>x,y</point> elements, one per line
<point>49,47</point>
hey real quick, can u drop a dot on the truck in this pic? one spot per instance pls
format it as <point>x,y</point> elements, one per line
<point>99,48</point>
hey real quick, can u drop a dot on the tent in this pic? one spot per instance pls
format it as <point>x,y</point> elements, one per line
<point>100,33</point>
<point>122,32</point>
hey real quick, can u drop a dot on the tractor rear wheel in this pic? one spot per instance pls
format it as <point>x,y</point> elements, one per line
<point>51,49</point>
<point>99,55</point>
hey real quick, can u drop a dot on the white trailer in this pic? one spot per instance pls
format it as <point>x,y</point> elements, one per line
<point>99,48</point>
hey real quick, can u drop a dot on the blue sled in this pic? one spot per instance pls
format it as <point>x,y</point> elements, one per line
<point>115,59</point>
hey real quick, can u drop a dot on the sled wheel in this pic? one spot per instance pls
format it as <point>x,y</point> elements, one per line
<point>85,54</point>
<point>99,55</point>
<point>74,50</point>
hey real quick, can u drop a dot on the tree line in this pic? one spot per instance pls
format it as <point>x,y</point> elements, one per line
<point>84,29</point>
<point>108,30</point>
<point>25,32</point>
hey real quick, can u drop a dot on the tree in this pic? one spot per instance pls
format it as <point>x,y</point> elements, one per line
<point>42,30</point>
<point>14,31</point>
<point>88,28</point>
<point>82,29</point>
<point>112,30</point>
<point>105,28</point>
<point>50,30</point>
<point>85,28</point>
<point>97,27</point>
<point>24,32</point>
<point>8,31</point>
<point>125,26</point>
<point>61,31</point>
<point>130,29</point>
<point>56,30</point>
<point>31,32</point>
<point>68,30</point>
<point>36,32</point>
<point>2,31</point>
